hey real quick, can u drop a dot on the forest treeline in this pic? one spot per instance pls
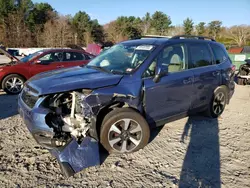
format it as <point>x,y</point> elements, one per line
<point>27,24</point>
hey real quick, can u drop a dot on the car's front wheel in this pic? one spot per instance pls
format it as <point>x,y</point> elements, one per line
<point>124,131</point>
<point>13,84</point>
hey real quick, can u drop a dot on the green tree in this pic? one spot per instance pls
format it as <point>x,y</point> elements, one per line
<point>129,27</point>
<point>81,23</point>
<point>200,28</point>
<point>97,32</point>
<point>39,15</point>
<point>6,6</point>
<point>161,22</point>
<point>214,28</point>
<point>87,30</point>
<point>188,25</point>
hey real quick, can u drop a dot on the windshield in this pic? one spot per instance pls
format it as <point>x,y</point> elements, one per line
<point>122,58</point>
<point>31,56</point>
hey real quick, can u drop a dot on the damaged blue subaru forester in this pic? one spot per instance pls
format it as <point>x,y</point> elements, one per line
<point>118,96</point>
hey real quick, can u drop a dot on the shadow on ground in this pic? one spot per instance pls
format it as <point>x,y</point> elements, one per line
<point>8,105</point>
<point>201,165</point>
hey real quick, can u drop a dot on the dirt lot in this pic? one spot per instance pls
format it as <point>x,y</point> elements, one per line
<point>195,152</point>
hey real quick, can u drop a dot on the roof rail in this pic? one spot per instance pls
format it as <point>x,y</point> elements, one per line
<point>192,36</point>
<point>155,36</point>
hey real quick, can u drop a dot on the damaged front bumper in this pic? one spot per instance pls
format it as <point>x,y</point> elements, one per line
<point>72,157</point>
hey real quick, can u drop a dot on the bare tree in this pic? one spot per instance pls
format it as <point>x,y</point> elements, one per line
<point>146,22</point>
<point>176,30</point>
<point>18,33</point>
<point>57,33</point>
<point>239,34</point>
<point>113,32</point>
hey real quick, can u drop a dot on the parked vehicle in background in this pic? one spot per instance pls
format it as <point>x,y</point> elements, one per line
<point>120,94</point>
<point>14,74</point>
<point>238,55</point>
<point>243,75</point>
<point>94,49</point>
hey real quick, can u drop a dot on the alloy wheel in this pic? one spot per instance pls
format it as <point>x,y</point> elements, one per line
<point>14,85</point>
<point>219,103</point>
<point>125,135</point>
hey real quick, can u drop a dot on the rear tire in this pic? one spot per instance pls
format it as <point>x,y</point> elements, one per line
<point>217,104</point>
<point>241,81</point>
<point>124,131</point>
<point>13,84</point>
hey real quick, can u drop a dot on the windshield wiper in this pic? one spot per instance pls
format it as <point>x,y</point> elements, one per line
<point>99,68</point>
<point>117,72</point>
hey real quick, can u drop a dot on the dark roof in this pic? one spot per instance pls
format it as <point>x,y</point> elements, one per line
<point>150,41</point>
<point>160,41</point>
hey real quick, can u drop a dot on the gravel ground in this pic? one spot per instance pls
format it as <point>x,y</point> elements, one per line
<point>191,152</point>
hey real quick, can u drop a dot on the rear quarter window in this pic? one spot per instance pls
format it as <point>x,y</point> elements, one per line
<point>219,53</point>
<point>200,55</point>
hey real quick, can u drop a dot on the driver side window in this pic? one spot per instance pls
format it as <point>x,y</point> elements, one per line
<point>172,58</point>
<point>51,57</point>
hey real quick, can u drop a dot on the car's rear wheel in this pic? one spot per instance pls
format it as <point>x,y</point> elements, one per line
<point>124,131</point>
<point>13,84</point>
<point>218,103</point>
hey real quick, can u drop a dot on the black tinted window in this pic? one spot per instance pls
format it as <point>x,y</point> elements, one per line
<point>219,54</point>
<point>73,56</point>
<point>200,55</point>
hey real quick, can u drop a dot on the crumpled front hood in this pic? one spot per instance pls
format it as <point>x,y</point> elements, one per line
<point>71,79</point>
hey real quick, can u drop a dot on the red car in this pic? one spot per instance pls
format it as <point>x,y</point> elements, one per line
<point>14,74</point>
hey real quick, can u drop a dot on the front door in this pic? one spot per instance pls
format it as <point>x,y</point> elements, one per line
<point>72,58</point>
<point>172,95</point>
<point>47,62</point>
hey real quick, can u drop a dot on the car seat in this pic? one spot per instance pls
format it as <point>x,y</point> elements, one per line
<point>176,60</point>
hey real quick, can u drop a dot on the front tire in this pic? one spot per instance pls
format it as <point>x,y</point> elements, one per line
<point>217,104</point>
<point>13,84</point>
<point>124,131</point>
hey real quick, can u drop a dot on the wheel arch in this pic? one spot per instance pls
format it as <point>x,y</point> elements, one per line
<point>107,109</point>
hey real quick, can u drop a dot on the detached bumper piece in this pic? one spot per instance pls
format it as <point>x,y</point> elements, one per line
<point>74,157</point>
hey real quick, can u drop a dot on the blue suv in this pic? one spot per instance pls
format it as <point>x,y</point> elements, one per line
<point>135,85</point>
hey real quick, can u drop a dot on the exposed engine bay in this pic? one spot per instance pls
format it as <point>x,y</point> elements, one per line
<point>70,117</point>
<point>8,64</point>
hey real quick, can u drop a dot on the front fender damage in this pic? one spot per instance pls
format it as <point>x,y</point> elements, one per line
<point>78,147</point>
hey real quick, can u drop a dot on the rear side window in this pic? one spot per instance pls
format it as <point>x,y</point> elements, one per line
<point>73,56</point>
<point>200,55</point>
<point>219,53</point>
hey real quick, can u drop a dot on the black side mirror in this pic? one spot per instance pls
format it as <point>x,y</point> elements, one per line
<point>157,78</point>
<point>160,73</point>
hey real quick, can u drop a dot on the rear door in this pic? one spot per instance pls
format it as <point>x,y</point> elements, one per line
<point>71,58</point>
<point>172,95</point>
<point>47,62</point>
<point>207,75</point>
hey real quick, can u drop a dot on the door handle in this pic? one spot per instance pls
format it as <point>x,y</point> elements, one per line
<point>216,73</point>
<point>60,66</point>
<point>187,81</point>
